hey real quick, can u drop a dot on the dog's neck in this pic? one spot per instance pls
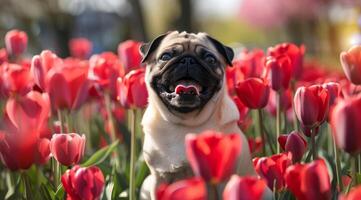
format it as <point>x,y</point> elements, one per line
<point>198,118</point>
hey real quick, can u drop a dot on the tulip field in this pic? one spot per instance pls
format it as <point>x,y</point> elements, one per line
<point>70,127</point>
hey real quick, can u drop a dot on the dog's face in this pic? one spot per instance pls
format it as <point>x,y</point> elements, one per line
<point>185,70</point>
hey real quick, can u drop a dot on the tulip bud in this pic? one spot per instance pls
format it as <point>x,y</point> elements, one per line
<point>83,183</point>
<point>278,72</point>
<point>129,54</point>
<point>345,121</point>
<point>293,143</point>
<point>309,181</point>
<point>311,105</point>
<point>213,155</point>
<point>244,188</point>
<point>132,91</point>
<point>253,92</point>
<point>16,42</point>
<point>272,169</point>
<point>80,48</point>
<point>190,189</point>
<point>351,64</point>
<point>68,149</point>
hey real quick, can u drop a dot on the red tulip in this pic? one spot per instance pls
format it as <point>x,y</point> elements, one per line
<point>17,78</point>
<point>334,91</point>
<point>43,150</point>
<point>273,168</point>
<point>3,56</point>
<point>244,188</point>
<point>213,155</point>
<point>132,91</point>
<point>253,92</point>
<point>293,143</point>
<point>129,54</point>
<point>242,109</point>
<point>21,145</point>
<point>278,72</point>
<point>311,105</point>
<point>309,181</point>
<point>233,76</point>
<point>295,54</point>
<point>255,144</point>
<point>351,64</point>
<point>104,69</point>
<point>67,148</point>
<point>83,183</point>
<point>16,42</point>
<point>80,48</point>
<point>345,121</point>
<point>68,84</point>
<point>189,189</point>
<point>354,194</point>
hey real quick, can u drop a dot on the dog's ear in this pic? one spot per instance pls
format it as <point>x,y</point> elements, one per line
<point>146,49</point>
<point>225,51</point>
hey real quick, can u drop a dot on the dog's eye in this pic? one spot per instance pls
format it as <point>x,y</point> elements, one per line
<point>166,56</point>
<point>209,58</point>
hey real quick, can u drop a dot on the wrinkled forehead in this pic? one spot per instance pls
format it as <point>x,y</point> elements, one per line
<point>187,41</point>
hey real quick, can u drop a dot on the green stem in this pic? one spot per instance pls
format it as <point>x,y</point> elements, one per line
<point>278,119</point>
<point>212,191</point>
<point>132,155</point>
<point>26,181</point>
<point>354,170</point>
<point>259,129</point>
<point>113,136</point>
<point>338,166</point>
<point>61,121</point>
<point>313,144</point>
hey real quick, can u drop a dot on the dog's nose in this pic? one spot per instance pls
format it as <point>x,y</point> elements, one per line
<point>188,60</point>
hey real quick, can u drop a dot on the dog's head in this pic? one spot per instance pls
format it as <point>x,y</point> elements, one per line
<point>185,70</point>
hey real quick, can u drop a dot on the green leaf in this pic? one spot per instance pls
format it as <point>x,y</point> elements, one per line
<point>142,173</point>
<point>59,194</point>
<point>46,192</point>
<point>100,155</point>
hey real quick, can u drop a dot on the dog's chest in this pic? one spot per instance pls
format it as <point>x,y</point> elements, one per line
<point>164,147</point>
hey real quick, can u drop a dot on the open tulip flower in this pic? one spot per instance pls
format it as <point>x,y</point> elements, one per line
<point>309,181</point>
<point>82,183</point>
<point>213,155</point>
<point>189,189</point>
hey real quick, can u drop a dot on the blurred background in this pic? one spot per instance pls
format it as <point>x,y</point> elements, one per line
<point>325,26</point>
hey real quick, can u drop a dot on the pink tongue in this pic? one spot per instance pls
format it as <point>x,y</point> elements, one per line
<point>186,89</point>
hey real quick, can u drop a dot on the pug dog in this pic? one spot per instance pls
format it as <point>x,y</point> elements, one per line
<point>185,78</point>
